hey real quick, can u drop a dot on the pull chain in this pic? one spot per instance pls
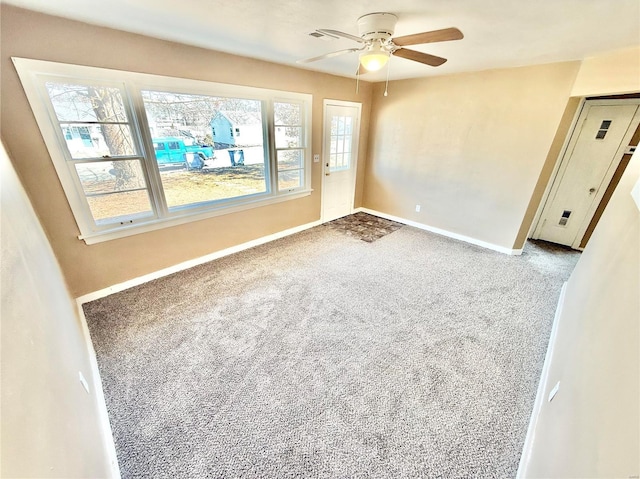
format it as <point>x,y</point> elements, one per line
<point>386,86</point>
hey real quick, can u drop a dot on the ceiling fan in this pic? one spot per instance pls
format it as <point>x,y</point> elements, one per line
<point>376,30</point>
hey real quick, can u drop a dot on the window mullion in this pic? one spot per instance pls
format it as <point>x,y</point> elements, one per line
<point>156,190</point>
<point>271,146</point>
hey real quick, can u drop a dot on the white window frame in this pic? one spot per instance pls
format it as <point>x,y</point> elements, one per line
<point>276,149</point>
<point>34,73</point>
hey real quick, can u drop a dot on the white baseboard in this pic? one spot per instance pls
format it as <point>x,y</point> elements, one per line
<point>191,263</point>
<point>98,393</point>
<point>449,234</point>
<point>540,395</point>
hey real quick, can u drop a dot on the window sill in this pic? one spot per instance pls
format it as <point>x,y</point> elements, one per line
<point>124,231</point>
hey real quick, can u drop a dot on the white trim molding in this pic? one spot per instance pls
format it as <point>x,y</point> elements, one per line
<point>449,234</point>
<point>98,394</point>
<point>193,262</point>
<point>525,458</point>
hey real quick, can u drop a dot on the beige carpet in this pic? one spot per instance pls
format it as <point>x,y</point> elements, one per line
<point>324,356</point>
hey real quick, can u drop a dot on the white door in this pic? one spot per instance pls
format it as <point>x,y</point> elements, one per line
<point>596,147</point>
<point>339,157</point>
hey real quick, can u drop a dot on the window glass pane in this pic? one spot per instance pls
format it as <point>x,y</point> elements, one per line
<point>84,103</point>
<point>288,137</point>
<point>290,159</point>
<point>115,190</point>
<point>120,207</point>
<point>184,187</point>
<point>93,119</point>
<point>208,148</point>
<point>287,113</point>
<point>95,141</point>
<point>290,179</point>
<point>110,176</point>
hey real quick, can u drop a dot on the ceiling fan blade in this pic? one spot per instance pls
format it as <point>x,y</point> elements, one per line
<point>337,33</point>
<point>329,55</point>
<point>443,35</point>
<point>425,58</point>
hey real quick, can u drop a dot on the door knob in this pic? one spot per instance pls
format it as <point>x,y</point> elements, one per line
<point>592,191</point>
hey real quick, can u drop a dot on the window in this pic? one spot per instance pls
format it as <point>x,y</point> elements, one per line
<point>109,173</point>
<point>290,150</point>
<point>126,168</point>
<point>221,182</point>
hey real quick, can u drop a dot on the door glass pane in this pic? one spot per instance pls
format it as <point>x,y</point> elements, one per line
<point>207,148</point>
<point>341,140</point>
<point>348,125</point>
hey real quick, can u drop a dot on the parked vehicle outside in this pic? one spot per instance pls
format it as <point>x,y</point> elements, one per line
<point>172,151</point>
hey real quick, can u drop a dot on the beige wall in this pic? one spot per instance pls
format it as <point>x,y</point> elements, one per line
<point>50,426</point>
<point>614,72</point>
<point>90,268</point>
<point>591,428</point>
<point>468,148</point>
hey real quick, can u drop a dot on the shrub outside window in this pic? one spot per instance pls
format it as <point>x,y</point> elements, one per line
<point>136,152</point>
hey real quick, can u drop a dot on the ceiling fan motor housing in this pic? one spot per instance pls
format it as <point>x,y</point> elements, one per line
<point>377,26</point>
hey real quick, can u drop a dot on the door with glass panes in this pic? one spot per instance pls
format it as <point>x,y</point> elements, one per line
<point>340,155</point>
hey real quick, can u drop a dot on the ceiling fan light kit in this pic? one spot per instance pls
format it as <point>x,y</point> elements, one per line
<point>375,32</point>
<point>375,58</point>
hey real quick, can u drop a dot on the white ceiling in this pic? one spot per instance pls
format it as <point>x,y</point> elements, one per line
<point>498,33</point>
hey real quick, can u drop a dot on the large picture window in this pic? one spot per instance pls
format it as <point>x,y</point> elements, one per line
<point>136,152</point>
<point>230,168</point>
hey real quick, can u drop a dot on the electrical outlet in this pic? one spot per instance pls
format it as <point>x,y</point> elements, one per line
<point>417,208</point>
<point>554,391</point>
<point>316,158</point>
<point>83,381</point>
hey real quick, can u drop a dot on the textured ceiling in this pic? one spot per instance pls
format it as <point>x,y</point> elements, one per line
<point>498,33</point>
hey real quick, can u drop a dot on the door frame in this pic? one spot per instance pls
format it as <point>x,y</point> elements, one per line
<point>563,160</point>
<point>355,153</point>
